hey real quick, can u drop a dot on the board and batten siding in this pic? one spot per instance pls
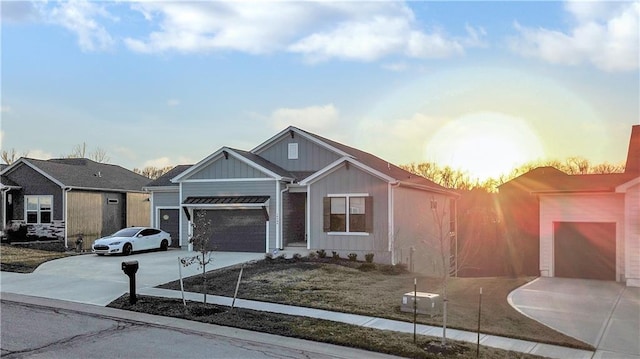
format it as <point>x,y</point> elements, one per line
<point>222,168</point>
<point>599,207</point>
<point>311,156</point>
<point>232,188</point>
<point>632,236</point>
<point>138,209</point>
<point>416,225</point>
<point>351,181</point>
<point>163,199</point>
<point>84,216</point>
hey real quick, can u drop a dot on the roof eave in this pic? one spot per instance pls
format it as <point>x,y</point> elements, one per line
<point>428,189</point>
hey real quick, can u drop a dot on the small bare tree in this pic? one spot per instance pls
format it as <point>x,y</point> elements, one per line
<point>80,151</point>
<point>202,231</point>
<point>12,155</point>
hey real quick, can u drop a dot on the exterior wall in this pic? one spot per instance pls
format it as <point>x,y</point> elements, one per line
<point>418,226</point>
<point>311,156</point>
<point>632,236</point>
<point>227,168</point>
<point>350,180</point>
<point>233,188</point>
<point>84,216</point>
<point>163,200</point>
<point>33,183</point>
<point>605,207</point>
<point>138,209</point>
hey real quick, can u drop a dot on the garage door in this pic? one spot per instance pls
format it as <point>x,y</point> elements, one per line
<point>585,250</point>
<point>237,230</point>
<point>170,222</point>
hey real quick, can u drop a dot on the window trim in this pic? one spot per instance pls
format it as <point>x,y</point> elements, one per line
<point>39,210</point>
<point>368,213</point>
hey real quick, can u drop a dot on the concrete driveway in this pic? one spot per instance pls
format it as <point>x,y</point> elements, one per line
<point>99,280</point>
<point>603,314</point>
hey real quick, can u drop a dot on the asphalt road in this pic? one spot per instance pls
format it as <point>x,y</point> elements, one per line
<point>28,331</point>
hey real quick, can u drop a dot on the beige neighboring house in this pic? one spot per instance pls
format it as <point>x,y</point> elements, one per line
<point>589,225</point>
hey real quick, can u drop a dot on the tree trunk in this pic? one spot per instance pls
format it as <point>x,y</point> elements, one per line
<point>204,279</point>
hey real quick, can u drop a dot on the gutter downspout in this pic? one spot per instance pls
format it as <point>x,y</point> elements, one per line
<point>66,215</point>
<point>4,206</point>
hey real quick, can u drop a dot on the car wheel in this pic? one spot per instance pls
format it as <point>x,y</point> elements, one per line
<point>127,249</point>
<point>164,245</point>
<point>100,254</point>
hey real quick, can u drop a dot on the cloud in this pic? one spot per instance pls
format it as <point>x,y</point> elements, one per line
<point>318,31</point>
<point>318,119</point>
<point>604,34</point>
<point>80,17</point>
<point>18,11</point>
<point>5,109</point>
<point>173,102</point>
<point>162,162</point>
<point>39,154</point>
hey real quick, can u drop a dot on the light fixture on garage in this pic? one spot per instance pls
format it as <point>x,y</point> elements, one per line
<point>226,155</point>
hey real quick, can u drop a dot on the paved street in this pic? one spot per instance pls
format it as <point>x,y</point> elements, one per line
<point>29,331</point>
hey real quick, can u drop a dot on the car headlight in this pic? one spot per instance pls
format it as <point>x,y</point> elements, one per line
<point>115,243</point>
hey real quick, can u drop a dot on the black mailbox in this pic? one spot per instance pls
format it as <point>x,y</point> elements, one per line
<point>130,268</point>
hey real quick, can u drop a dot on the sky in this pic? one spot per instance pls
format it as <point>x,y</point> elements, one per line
<point>479,86</point>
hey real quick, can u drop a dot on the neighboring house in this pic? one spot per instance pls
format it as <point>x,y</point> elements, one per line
<point>588,225</point>
<point>165,204</point>
<point>300,189</point>
<point>63,198</point>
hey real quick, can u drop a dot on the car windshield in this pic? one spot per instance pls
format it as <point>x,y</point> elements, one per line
<point>126,232</point>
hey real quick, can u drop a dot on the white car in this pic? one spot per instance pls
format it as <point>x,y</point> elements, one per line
<point>128,240</point>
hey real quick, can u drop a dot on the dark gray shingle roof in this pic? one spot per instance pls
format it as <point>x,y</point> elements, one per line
<point>165,179</point>
<point>85,173</point>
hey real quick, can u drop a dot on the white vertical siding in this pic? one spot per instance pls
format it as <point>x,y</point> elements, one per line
<point>599,207</point>
<point>632,236</point>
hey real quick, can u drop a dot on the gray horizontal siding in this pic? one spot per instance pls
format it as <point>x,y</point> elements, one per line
<point>348,181</point>
<point>311,156</point>
<point>235,188</point>
<point>223,168</point>
<point>33,183</point>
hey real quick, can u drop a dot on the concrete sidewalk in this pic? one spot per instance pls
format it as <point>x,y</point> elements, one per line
<point>522,346</point>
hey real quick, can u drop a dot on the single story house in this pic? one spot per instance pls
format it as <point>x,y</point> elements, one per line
<point>63,198</point>
<point>300,189</point>
<point>589,225</point>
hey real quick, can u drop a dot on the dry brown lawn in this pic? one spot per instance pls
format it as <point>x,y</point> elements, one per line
<point>342,287</point>
<point>25,260</point>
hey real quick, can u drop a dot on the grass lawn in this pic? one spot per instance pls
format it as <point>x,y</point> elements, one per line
<point>395,343</point>
<point>341,286</point>
<point>25,260</point>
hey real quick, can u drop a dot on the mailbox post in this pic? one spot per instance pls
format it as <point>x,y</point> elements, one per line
<point>130,268</point>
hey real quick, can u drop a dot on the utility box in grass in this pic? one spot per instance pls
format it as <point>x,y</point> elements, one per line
<point>426,303</point>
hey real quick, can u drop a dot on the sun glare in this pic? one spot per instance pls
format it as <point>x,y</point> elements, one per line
<point>485,145</point>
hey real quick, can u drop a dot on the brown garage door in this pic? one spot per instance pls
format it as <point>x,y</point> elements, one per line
<point>170,223</point>
<point>585,250</point>
<point>237,230</point>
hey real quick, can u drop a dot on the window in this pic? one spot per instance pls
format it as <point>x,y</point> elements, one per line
<point>348,214</point>
<point>38,209</point>
<point>293,151</point>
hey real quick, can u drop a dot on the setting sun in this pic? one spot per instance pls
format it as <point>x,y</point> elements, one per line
<point>484,144</point>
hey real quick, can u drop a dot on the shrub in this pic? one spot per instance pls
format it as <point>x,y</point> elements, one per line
<point>353,257</point>
<point>268,256</point>
<point>312,255</point>
<point>335,255</point>
<point>321,253</point>
<point>297,257</point>
<point>282,257</point>
<point>368,257</point>
<point>399,268</point>
<point>367,267</point>
<point>16,233</point>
